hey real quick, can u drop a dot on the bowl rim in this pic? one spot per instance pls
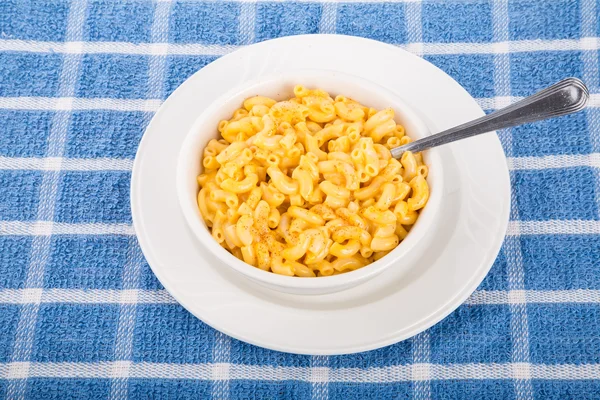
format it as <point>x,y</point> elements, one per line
<point>196,224</point>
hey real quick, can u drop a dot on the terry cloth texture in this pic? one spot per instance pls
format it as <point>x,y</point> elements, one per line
<point>81,314</point>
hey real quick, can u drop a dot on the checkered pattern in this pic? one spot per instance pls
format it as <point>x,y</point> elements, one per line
<point>82,316</point>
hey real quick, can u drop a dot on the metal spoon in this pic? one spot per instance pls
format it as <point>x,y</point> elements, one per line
<point>565,97</point>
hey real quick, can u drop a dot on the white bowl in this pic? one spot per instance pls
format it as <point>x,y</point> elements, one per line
<point>280,87</point>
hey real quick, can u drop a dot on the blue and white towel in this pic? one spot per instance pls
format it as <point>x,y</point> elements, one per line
<point>82,316</point>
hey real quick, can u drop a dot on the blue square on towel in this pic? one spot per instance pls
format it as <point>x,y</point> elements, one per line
<point>275,20</point>
<point>399,353</point>
<point>531,72</point>
<point>98,196</point>
<point>29,74</point>
<point>547,194</point>
<point>244,353</point>
<point>184,389</point>
<point>19,194</point>
<point>457,21</point>
<point>67,389</point>
<point>114,75</point>
<point>75,333</point>
<point>167,333</point>
<point>100,134</point>
<point>384,22</point>
<point>254,389</point>
<point>86,262</point>
<point>473,334</point>
<point>472,389</point>
<point>564,333</point>
<point>179,68</point>
<point>473,71</point>
<point>148,280</point>
<point>531,19</point>
<point>24,133</point>
<point>14,260</point>
<point>205,22</point>
<point>554,262</point>
<point>9,318</point>
<point>34,20</point>
<point>562,389</point>
<point>126,21</point>
<point>497,278</point>
<point>564,135</point>
<point>598,18</point>
<point>352,390</point>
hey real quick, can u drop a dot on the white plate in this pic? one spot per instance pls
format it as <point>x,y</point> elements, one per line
<point>389,308</point>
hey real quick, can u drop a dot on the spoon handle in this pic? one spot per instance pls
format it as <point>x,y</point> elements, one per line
<point>565,97</point>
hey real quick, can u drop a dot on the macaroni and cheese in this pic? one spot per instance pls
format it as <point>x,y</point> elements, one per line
<point>307,186</point>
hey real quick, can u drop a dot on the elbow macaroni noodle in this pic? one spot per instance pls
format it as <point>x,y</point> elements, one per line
<point>306,187</point>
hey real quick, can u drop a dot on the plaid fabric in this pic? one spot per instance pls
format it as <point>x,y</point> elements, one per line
<point>81,314</point>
